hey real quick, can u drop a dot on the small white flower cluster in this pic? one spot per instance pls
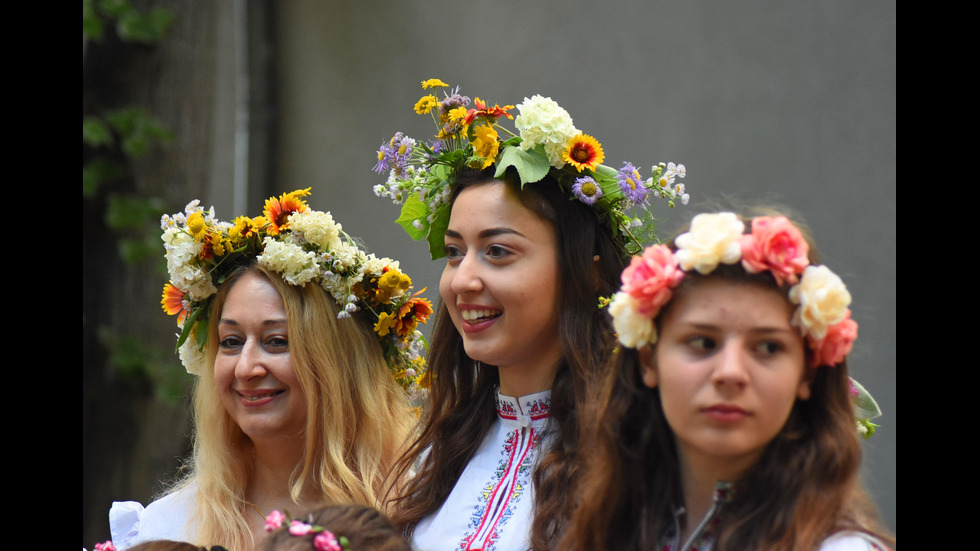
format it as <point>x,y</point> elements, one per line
<point>666,187</point>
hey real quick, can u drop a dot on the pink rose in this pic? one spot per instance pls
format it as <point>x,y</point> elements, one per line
<point>326,541</point>
<point>300,528</point>
<point>105,546</point>
<point>775,244</point>
<point>836,345</point>
<point>649,278</point>
<point>274,521</point>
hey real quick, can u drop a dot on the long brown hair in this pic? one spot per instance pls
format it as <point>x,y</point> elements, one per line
<point>463,391</point>
<point>804,488</point>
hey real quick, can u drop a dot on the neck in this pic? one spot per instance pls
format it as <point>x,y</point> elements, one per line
<point>272,466</point>
<point>524,379</point>
<point>698,481</point>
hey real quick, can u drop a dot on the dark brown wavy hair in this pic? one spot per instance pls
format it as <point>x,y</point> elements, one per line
<point>365,528</point>
<point>804,488</point>
<point>463,391</point>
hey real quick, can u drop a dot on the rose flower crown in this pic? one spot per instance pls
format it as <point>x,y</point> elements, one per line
<point>302,245</point>
<point>421,175</point>
<point>775,245</point>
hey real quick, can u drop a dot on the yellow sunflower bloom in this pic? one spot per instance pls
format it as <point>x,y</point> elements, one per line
<point>485,144</point>
<point>196,225</point>
<point>426,104</point>
<point>432,83</point>
<point>277,211</point>
<point>583,151</point>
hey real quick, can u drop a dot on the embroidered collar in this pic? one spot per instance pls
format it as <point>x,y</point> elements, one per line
<point>704,534</point>
<point>533,408</point>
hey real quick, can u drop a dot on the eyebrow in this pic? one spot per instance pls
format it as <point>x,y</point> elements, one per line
<point>762,330</point>
<point>489,232</point>
<point>266,322</point>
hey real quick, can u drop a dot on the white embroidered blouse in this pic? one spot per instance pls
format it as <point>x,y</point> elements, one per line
<point>491,505</point>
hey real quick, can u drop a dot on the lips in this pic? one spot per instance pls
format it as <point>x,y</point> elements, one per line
<point>725,412</point>
<point>479,315</point>
<point>258,395</point>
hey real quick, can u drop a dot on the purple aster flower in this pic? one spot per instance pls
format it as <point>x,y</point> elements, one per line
<point>385,154</point>
<point>587,190</point>
<point>631,183</point>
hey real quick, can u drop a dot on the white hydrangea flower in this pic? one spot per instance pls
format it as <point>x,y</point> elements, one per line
<point>543,121</point>
<point>316,227</point>
<point>296,265</point>
<point>712,239</point>
<point>633,328</point>
<point>182,252</point>
<point>823,300</point>
<point>192,358</point>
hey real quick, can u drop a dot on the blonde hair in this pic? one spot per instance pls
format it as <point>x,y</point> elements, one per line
<point>357,416</point>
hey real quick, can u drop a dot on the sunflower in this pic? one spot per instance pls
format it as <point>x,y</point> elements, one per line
<point>277,211</point>
<point>583,151</point>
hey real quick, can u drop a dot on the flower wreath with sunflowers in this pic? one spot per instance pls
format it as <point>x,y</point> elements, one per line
<point>773,244</point>
<point>302,245</point>
<point>421,175</point>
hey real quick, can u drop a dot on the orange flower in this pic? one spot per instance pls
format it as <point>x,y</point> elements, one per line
<point>482,110</point>
<point>278,210</point>
<point>583,151</point>
<point>173,302</point>
<point>416,310</point>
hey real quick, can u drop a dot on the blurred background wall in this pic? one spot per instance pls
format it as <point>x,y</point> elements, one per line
<point>791,104</point>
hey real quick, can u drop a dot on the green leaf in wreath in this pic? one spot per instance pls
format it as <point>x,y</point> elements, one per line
<point>437,232</point>
<point>531,165</point>
<point>413,209</point>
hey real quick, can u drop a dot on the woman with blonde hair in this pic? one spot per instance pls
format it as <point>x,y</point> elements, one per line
<point>304,347</point>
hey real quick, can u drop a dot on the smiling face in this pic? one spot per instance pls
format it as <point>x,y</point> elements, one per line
<point>253,371</point>
<point>730,367</point>
<point>500,285</point>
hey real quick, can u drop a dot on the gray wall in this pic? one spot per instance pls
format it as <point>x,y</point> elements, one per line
<point>765,102</point>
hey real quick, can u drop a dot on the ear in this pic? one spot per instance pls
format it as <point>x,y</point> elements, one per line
<point>803,391</point>
<point>648,366</point>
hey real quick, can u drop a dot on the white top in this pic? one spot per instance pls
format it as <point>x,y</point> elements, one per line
<point>167,518</point>
<point>490,507</point>
<point>850,540</point>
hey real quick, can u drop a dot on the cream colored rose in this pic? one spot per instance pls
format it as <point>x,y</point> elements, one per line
<point>712,239</point>
<point>823,300</point>
<point>632,328</point>
<point>192,358</point>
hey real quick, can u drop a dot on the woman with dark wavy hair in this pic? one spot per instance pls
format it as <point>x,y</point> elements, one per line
<point>534,232</point>
<point>727,420</point>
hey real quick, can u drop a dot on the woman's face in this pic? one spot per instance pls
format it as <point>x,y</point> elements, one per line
<point>729,366</point>
<point>253,371</point>
<point>500,285</point>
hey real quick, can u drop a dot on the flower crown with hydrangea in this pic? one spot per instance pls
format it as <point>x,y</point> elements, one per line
<point>324,540</point>
<point>421,176</point>
<point>302,245</point>
<point>775,245</point>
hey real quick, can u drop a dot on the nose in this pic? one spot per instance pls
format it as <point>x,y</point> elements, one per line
<point>250,362</point>
<point>731,369</point>
<point>466,276</point>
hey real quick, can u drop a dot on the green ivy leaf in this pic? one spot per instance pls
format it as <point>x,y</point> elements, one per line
<point>437,232</point>
<point>149,28</point>
<point>531,165</point>
<point>414,209</point>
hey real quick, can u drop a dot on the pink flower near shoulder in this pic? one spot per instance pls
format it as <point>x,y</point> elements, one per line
<point>274,521</point>
<point>650,277</point>
<point>326,541</point>
<point>775,244</point>
<point>300,528</point>
<point>105,546</point>
<point>836,345</point>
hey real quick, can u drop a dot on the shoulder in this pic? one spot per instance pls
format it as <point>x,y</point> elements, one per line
<point>166,518</point>
<point>852,540</point>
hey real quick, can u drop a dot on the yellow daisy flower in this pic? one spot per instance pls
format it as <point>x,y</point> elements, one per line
<point>426,104</point>
<point>433,83</point>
